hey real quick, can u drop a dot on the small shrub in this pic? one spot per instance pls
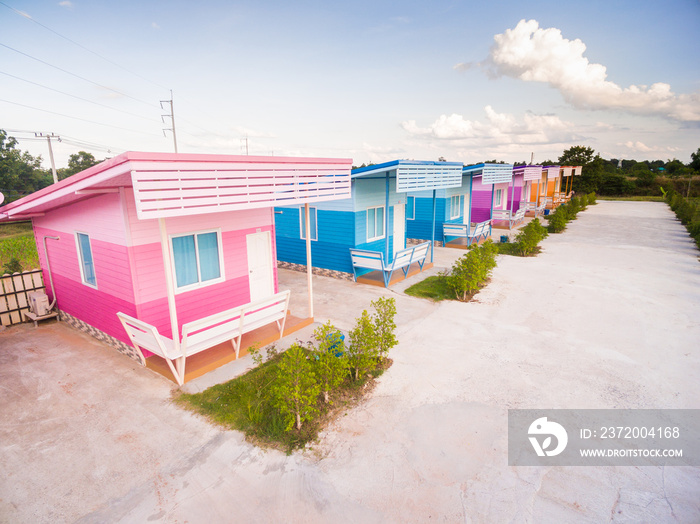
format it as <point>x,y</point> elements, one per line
<point>584,201</point>
<point>296,389</point>
<point>529,237</point>
<point>591,199</point>
<point>329,360</point>
<point>470,271</point>
<point>13,266</point>
<point>557,222</point>
<point>384,325</point>
<point>362,351</point>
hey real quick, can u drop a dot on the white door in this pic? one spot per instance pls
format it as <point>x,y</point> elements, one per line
<point>399,227</point>
<point>260,269</point>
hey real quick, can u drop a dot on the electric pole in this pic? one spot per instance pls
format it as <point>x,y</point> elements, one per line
<point>53,164</point>
<point>172,118</point>
<point>246,144</point>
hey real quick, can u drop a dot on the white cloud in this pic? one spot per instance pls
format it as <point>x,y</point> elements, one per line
<point>66,3</point>
<point>154,25</point>
<point>498,129</point>
<point>637,146</point>
<point>533,54</point>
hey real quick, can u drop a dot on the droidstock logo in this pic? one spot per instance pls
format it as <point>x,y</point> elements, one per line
<point>541,427</point>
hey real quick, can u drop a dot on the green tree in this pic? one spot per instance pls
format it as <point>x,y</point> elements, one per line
<point>593,168</point>
<point>330,362</point>
<point>77,163</point>
<point>362,350</point>
<point>695,161</point>
<point>20,172</point>
<point>296,390</point>
<point>384,325</point>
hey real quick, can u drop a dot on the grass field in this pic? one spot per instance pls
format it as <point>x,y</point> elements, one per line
<point>17,244</point>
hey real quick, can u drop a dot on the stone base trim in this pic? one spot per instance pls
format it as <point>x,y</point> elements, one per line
<point>340,275</point>
<point>120,346</point>
<point>416,241</point>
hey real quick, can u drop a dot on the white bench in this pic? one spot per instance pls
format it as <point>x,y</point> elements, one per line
<point>365,259</point>
<point>512,218</point>
<point>532,207</point>
<point>472,233</point>
<point>207,332</point>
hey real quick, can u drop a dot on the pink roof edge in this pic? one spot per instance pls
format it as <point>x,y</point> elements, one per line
<point>167,157</point>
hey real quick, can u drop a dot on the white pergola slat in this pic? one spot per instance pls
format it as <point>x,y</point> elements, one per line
<point>491,173</point>
<point>528,172</point>
<point>163,193</point>
<point>418,177</point>
<point>567,170</point>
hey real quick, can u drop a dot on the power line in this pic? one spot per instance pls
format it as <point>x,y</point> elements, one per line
<point>78,97</point>
<point>28,17</point>
<point>77,118</point>
<point>77,76</point>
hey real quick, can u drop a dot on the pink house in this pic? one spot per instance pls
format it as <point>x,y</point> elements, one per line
<point>168,238</point>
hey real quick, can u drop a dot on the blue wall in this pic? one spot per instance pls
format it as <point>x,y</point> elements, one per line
<point>338,232</point>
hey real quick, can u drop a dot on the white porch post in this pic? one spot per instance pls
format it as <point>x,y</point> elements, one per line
<point>309,272</point>
<point>170,289</point>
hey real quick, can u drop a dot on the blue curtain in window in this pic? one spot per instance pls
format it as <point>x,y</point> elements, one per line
<point>208,247</point>
<point>185,260</point>
<point>380,221</point>
<point>86,255</point>
<point>410,203</point>
<point>371,223</point>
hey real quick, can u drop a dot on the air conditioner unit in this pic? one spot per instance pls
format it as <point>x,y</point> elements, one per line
<point>38,303</point>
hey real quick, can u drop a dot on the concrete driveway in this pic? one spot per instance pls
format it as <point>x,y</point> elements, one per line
<point>607,317</point>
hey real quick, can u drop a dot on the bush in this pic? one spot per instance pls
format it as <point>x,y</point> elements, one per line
<point>591,199</point>
<point>471,271</point>
<point>296,389</point>
<point>362,351</point>
<point>529,237</point>
<point>13,266</point>
<point>384,325</point>
<point>557,221</point>
<point>584,201</point>
<point>329,360</point>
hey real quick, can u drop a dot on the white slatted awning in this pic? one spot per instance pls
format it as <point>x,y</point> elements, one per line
<point>418,177</point>
<point>528,172</point>
<point>165,193</point>
<point>491,173</point>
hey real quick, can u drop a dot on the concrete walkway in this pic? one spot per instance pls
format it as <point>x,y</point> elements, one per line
<point>608,316</point>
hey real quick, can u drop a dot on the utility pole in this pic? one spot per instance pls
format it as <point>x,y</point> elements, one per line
<point>246,144</point>
<point>172,118</point>
<point>532,157</point>
<point>53,164</point>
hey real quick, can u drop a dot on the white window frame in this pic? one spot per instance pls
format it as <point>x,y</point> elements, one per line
<point>527,192</point>
<point>498,198</point>
<point>199,284</point>
<point>302,232</point>
<point>383,235</point>
<point>81,260</point>
<point>413,217</point>
<point>457,207</point>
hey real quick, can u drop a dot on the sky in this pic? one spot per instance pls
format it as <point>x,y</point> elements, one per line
<point>369,80</point>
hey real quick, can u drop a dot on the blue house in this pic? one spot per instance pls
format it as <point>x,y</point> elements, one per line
<point>467,211</point>
<point>373,219</point>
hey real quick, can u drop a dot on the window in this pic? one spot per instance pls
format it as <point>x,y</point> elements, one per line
<point>375,223</point>
<point>456,206</point>
<point>410,208</point>
<point>313,226</point>
<point>87,264</point>
<point>527,192</point>
<point>197,259</point>
<point>498,198</point>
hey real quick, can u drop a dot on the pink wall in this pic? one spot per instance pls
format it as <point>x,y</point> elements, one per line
<point>129,262</point>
